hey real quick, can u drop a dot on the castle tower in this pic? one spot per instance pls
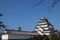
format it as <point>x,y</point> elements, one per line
<point>44,27</point>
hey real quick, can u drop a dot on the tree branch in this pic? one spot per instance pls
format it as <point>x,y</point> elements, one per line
<point>39,2</point>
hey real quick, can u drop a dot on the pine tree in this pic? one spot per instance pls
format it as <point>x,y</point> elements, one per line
<point>2,26</point>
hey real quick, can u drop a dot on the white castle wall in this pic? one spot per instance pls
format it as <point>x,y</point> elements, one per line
<point>15,36</point>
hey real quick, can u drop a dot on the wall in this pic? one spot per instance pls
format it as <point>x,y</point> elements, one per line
<point>14,37</point>
<point>4,36</point>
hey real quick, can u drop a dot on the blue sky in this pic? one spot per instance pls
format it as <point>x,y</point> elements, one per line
<point>22,13</point>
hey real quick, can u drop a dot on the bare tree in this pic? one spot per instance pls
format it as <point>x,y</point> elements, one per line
<point>51,6</point>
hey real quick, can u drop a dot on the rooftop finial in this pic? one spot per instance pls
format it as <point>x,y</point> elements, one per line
<point>43,17</point>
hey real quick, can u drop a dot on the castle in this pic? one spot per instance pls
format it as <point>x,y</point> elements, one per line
<point>44,27</point>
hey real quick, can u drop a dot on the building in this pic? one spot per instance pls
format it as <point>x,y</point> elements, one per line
<point>17,35</point>
<point>44,27</point>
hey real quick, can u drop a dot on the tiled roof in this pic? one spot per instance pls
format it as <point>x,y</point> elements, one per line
<point>20,32</point>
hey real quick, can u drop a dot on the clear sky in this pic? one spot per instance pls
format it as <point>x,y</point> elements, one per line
<point>23,13</point>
